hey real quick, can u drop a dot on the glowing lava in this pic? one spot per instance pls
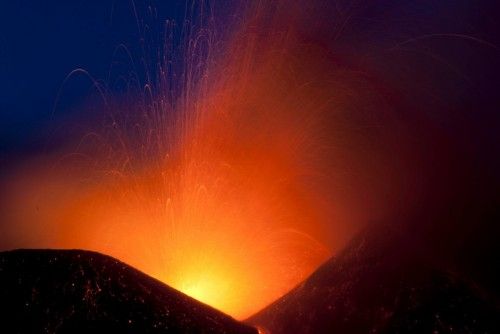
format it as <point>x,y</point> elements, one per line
<point>229,193</point>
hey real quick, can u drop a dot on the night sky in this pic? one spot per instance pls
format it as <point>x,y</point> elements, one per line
<point>42,42</point>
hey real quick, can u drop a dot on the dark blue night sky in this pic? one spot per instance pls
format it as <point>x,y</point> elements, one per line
<point>41,42</point>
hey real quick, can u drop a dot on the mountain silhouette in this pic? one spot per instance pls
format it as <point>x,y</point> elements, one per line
<point>74,291</point>
<point>380,284</point>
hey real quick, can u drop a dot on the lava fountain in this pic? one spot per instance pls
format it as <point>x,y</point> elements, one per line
<point>236,181</point>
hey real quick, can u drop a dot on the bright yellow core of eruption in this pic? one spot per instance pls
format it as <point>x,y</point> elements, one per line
<point>225,215</point>
<point>221,223</point>
<point>212,289</point>
<point>207,230</point>
<point>206,290</point>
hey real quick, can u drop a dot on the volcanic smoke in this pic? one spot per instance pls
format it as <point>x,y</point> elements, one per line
<point>247,159</point>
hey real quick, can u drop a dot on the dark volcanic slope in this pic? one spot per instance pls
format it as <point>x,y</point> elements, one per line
<point>71,291</point>
<point>375,286</point>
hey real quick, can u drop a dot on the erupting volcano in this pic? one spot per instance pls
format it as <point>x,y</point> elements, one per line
<point>231,152</point>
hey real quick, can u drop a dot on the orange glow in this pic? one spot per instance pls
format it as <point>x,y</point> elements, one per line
<point>255,184</point>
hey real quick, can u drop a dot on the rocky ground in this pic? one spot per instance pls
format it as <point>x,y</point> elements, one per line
<point>378,285</point>
<point>72,291</point>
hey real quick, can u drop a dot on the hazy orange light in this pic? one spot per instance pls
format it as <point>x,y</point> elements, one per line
<point>260,169</point>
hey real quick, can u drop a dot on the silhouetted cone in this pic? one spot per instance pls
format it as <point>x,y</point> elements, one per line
<point>71,291</point>
<point>377,285</point>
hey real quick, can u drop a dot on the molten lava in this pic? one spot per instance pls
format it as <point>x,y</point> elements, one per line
<point>231,193</point>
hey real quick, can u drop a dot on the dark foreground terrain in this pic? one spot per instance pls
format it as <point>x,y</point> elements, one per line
<point>376,285</point>
<point>70,291</point>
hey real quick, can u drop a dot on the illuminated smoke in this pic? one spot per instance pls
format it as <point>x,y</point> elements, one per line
<point>245,162</point>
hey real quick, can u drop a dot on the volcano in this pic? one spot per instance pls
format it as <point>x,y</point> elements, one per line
<point>380,283</point>
<point>73,291</point>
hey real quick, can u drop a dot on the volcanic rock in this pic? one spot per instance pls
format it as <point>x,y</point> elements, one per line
<point>378,285</point>
<point>73,291</point>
